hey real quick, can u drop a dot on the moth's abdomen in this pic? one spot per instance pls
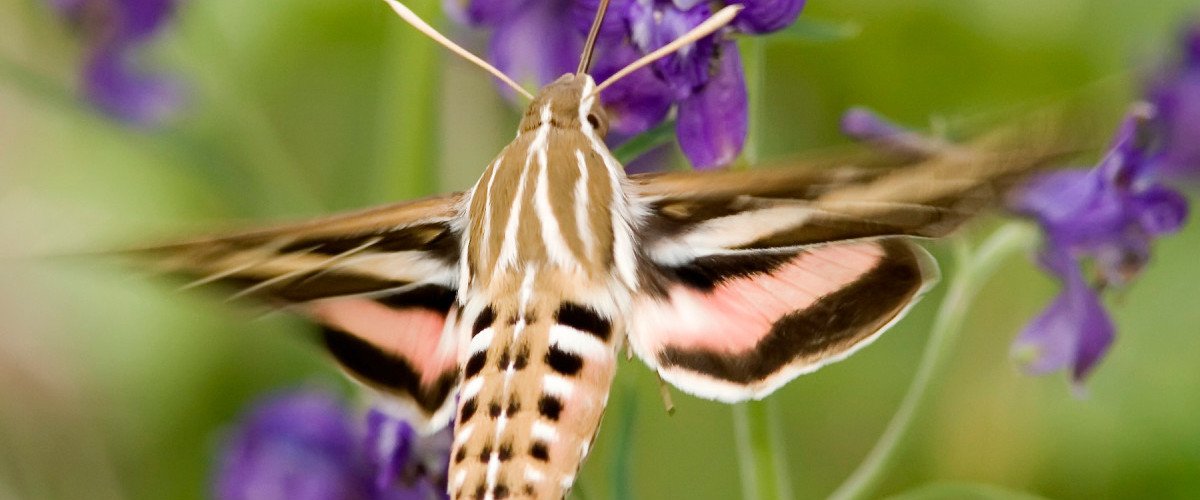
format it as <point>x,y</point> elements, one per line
<point>534,391</point>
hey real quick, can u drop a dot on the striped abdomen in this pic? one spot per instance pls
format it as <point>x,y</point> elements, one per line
<point>534,390</point>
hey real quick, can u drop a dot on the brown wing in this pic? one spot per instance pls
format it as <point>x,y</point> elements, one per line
<point>755,277</point>
<point>382,284</point>
<point>366,252</point>
<point>832,200</point>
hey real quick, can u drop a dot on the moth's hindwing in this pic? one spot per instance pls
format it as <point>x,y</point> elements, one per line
<point>737,325</point>
<point>397,344</point>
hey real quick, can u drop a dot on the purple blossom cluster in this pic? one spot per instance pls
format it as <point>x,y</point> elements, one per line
<point>1103,219</point>
<point>112,80</point>
<point>307,446</point>
<point>1106,218</point>
<point>536,41</point>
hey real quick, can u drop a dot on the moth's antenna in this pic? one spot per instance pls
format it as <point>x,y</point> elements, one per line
<point>713,23</point>
<point>585,59</point>
<point>421,26</point>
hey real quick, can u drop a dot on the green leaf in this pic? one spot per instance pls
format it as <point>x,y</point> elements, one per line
<point>963,491</point>
<point>808,30</point>
<point>644,142</point>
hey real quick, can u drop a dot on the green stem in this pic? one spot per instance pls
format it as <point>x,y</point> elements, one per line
<point>761,459</point>
<point>406,153</point>
<point>973,270</point>
<point>754,62</point>
<point>642,143</point>
<point>621,470</point>
<point>762,463</point>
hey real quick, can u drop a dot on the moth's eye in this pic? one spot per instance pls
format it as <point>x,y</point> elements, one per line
<point>593,120</point>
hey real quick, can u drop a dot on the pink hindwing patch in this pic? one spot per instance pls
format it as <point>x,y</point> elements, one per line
<point>396,344</point>
<point>737,325</point>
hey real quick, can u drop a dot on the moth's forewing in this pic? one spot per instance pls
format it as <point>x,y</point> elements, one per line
<point>380,282</point>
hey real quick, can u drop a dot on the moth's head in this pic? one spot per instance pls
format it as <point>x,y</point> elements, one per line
<point>568,103</point>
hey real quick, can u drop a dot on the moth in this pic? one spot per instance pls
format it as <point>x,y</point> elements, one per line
<point>504,307</point>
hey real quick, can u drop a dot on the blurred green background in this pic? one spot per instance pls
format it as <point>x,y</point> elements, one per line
<point>114,385</point>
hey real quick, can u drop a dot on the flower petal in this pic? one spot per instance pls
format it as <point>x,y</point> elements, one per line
<point>1160,210</point>
<point>636,102</point>
<point>406,465</point>
<point>143,18</point>
<point>296,446</point>
<point>389,447</point>
<point>112,83</point>
<point>765,16</point>
<point>864,125</point>
<point>1073,331</point>
<point>615,27</point>
<point>653,26</point>
<point>536,45</point>
<point>712,123</point>
<point>1177,99</point>
<point>482,12</point>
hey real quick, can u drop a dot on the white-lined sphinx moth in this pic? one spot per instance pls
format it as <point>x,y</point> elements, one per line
<point>517,294</point>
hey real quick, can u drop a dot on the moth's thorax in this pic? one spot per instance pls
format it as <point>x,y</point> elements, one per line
<point>554,197</point>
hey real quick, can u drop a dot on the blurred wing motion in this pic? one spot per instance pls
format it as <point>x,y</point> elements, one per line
<point>380,282</point>
<point>747,278</point>
<point>755,277</point>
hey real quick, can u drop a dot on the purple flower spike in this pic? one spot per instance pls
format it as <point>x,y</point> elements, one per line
<point>295,446</point>
<point>765,16</point>
<point>712,123</point>
<point>1109,215</point>
<point>112,81</point>
<point>1176,96</point>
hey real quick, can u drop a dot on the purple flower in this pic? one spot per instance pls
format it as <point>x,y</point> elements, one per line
<point>405,465</point>
<point>765,16</point>
<point>1176,95</point>
<point>703,80</point>
<point>635,103</point>
<point>295,446</point>
<point>864,125</point>
<point>306,446</point>
<point>713,120</point>
<point>1108,216</point>
<point>112,80</point>
<point>534,44</point>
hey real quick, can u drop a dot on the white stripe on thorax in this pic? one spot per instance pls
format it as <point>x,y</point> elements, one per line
<point>583,221</point>
<point>489,196</point>
<point>624,254</point>
<point>556,244</point>
<point>508,250</point>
